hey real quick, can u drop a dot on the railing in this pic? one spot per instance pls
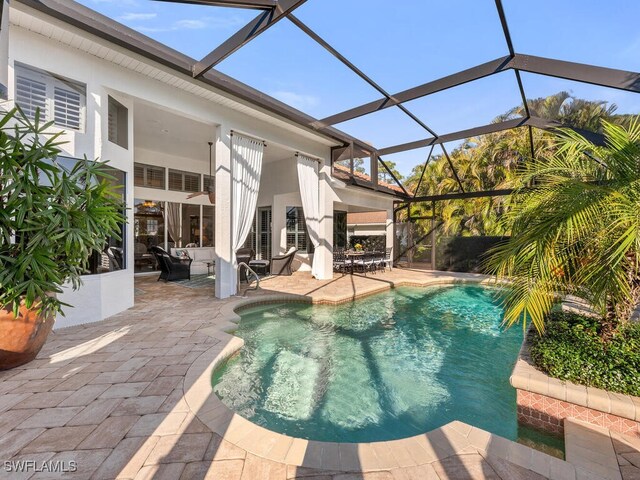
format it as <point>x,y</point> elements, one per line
<point>242,265</point>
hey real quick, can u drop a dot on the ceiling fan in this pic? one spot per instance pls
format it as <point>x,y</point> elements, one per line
<point>211,190</point>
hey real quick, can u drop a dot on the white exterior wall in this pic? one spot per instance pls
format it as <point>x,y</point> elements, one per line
<point>366,229</point>
<point>56,47</point>
<point>106,294</point>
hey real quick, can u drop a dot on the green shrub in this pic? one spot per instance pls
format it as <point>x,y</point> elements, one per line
<point>571,349</point>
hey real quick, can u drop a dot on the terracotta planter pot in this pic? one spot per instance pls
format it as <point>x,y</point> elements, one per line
<point>22,338</point>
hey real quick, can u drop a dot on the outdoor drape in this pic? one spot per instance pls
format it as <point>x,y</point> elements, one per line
<point>172,219</point>
<point>246,167</point>
<point>310,194</point>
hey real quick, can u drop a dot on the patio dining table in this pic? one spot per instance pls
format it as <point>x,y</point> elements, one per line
<point>353,254</point>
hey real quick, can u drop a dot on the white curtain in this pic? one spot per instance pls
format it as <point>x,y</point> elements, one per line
<point>172,219</point>
<point>246,164</point>
<point>310,193</point>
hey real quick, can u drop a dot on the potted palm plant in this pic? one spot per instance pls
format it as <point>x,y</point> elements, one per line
<point>52,219</point>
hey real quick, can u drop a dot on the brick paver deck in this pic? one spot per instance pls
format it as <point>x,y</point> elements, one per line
<point>106,400</point>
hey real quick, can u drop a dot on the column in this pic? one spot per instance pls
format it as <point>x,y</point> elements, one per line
<point>325,247</point>
<point>390,233</point>
<point>433,235</point>
<point>4,49</point>
<point>226,273</point>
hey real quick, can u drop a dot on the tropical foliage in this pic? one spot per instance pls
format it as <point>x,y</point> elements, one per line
<point>51,218</point>
<point>491,162</point>
<point>572,349</point>
<point>575,229</point>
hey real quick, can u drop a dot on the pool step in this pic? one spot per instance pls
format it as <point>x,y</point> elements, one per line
<point>593,450</point>
<point>290,394</point>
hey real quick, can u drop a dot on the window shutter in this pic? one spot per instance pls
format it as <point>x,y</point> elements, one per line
<point>155,177</point>
<point>175,180</point>
<point>191,182</point>
<point>112,125</point>
<point>67,108</point>
<point>31,95</point>
<point>138,175</point>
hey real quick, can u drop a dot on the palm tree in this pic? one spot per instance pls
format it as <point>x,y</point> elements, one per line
<point>568,110</point>
<point>577,230</point>
<point>491,162</point>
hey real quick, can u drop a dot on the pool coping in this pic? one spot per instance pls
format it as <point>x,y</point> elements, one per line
<point>451,439</point>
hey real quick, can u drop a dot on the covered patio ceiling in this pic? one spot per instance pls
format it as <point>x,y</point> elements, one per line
<point>271,12</point>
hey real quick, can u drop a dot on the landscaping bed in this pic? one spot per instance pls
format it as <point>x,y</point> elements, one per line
<point>571,349</point>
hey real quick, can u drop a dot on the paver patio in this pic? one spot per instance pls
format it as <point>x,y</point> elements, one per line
<point>110,396</point>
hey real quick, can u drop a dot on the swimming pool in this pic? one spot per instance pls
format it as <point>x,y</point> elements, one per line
<point>388,366</point>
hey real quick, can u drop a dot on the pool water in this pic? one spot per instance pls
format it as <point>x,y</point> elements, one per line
<point>389,366</point>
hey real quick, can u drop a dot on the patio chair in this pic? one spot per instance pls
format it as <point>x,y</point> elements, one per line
<point>114,254</point>
<point>387,258</point>
<point>379,261</point>
<point>366,263</point>
<point>171,267</point>
<point>245,255</point>
<point>340,261</point>
<point>281,265</point>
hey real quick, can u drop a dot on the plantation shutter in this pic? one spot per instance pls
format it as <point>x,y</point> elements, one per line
<point>31,95</point>
<point>67,108</point>
<point>59,99</point>
<point>265,233</point>
<point>191,182</point>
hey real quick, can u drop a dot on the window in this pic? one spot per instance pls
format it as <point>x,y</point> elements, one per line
<point>67,108</point>
<point>59,99</point>
<point>259,238</point>
<point>207,180</point>
<point>118,123</point>
<point>175,180</point>
<point>263,247</point>
<point>149,176</point>
<point>184,181</point>
<point>113,256</point>
<point>297,230</point>
<point>31,95</point>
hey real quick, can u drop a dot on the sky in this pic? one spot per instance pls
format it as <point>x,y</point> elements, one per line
<point>400,45</point>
